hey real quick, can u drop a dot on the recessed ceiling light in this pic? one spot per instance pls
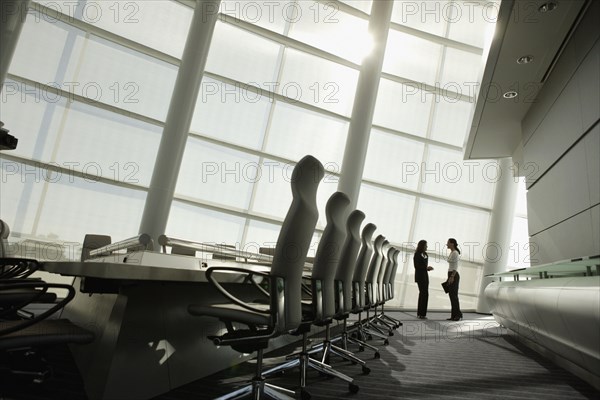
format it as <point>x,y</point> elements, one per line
<point>547,7</point>
<point>510,95</point>
<point>525,60</point>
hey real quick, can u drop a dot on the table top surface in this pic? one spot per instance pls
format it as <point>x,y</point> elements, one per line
<point>148,265</point>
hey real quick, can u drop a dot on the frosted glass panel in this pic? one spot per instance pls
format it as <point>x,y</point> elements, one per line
<point>447,175</point>
<point>243,56</point>
<point>436,222</point>
<point>296,132</point>
<point>451,120</point>
<point>471,20</point>
<point>125,153</point>
<point>403,107</point>
<point>33,116</point>
<point>324,26</point>
<point>217,174</point>
<point>393,160</point>
<point>120,77</point>
<point>273,191</point>
<point>362,5</point>
<point>159,24</point>
<point>262,234</point>
<point>270,15</point>
<point>461,72</point>
<point>201,225</point>
<point>322,83</point>
<point>390,211</point>
<point>73,207</point>
<point>429,16</point>
<point>411,57</point>
<point>274,194</point>
<point>45,49</point>
<point>20,194</point>
<point>231,113</point>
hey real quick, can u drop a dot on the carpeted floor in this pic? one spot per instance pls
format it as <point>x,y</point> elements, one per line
<point>425,359</point>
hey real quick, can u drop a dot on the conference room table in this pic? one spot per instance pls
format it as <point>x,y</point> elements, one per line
<point>146,342</point>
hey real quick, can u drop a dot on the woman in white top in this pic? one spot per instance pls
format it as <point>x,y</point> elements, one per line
<point>453,279</point>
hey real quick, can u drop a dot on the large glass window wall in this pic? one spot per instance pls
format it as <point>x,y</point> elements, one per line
<point>90,84</point>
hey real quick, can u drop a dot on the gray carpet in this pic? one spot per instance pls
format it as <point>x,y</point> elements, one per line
<point>425,359</point>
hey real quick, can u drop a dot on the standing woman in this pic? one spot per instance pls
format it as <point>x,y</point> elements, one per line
<point>420,260</point>
<point>453,279</point>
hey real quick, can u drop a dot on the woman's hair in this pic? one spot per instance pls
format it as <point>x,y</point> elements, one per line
<point>421,247</point>
<point>453,241</point>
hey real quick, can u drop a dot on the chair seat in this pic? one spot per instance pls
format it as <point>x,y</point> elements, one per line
<point>233,312</point>
<point>43,333</point>
<point>10,297</point>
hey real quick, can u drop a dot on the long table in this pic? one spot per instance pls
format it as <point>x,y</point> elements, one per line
<point>146,342</point>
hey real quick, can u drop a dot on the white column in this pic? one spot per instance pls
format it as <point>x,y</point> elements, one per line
<point>364,104</point>
<point>503,214</point>
<point>12,18</point>
<point>179,118</point>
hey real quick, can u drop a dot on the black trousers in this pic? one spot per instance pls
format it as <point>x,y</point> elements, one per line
<point>453,294</point>
<point>423,297</point>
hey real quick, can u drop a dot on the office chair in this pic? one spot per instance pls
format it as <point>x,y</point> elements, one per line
<point>388,286</point>
<point>375,265</point>
<point>283,314</point>
<point>319,310</point>
<point>363,261</point>
<point>4,233</point>
<point>343,292</point>
<point>381,287</point>
<point>23,339</point>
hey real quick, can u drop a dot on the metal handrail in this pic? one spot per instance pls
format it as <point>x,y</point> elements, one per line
<point>143,240</point>
<point>164,240</point>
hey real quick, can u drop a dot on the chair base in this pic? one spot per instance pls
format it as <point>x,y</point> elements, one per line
<point>259,389</point>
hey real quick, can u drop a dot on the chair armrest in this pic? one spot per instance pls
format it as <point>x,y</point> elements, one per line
<point>45,286</point>
<point>230,296</point>
<point>17,268</point>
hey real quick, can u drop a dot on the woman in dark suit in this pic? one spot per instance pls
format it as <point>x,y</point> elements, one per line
<point>420,260</point>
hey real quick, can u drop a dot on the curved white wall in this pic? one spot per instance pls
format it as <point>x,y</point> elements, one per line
<point>561,314</point>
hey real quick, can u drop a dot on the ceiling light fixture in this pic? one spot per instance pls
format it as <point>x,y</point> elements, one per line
<point>547,7</point>
<point>525,60</point>
<point>510,95</point>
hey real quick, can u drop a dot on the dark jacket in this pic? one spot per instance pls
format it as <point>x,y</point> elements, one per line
<point>421,264</point>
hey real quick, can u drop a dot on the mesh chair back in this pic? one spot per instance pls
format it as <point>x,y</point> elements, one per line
<point>374,266</point>
<point>385,265</point>
<point>4,233</point>
<point>348,260</point>
<point>393,273</point>
<point>327,257</point>
<point>362,265</point>
<point>392,263</point>
<point>294,241</point>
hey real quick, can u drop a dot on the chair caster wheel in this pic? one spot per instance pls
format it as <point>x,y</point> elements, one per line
<point>353,388</point>
<point>361,348</point>
<point>386,342</point>
<point>377,355</point>
<point>304,395</point>
<point>366,370</point>
<point>390,333</point>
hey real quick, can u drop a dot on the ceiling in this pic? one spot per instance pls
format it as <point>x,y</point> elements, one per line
<point>521,30</point>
